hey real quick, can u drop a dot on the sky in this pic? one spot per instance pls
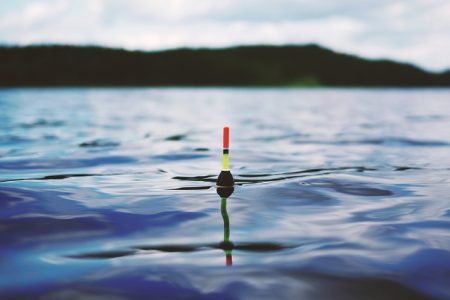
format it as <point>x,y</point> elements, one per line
<point>413,31</point>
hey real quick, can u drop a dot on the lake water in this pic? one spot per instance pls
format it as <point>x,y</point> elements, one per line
<point>110,194</point>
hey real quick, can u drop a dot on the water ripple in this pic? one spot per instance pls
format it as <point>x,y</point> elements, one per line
<point>386,141</point>
<point>109,193</point>
<point>246,247</point>
<point>35,164</point>
<point>99,143</point>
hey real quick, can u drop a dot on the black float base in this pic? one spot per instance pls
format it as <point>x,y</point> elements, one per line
<point>225,179</point>
<point>225,184</point>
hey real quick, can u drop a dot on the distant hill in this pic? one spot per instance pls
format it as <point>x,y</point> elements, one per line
<point>308,65</point>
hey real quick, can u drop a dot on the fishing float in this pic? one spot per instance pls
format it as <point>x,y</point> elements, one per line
<point>225,181</point>
<point>225,187</point>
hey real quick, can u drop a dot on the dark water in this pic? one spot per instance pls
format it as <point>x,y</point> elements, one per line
<point>109,194</point>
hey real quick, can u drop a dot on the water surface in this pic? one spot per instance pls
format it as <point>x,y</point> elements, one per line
<point>109,193</point>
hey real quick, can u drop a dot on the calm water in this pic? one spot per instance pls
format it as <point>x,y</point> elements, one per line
<point>109,194</point>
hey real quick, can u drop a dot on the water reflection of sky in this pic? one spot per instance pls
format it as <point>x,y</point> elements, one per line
<point>336,187</point>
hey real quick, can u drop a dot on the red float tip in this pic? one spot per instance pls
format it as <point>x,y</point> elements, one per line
<point>226,137</point>
<point>229,260</point>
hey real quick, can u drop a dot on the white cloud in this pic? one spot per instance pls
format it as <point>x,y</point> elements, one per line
<point>32,14</point>
<point>415,31</point>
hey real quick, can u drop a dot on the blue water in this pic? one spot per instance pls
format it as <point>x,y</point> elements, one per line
<point>110,194</point>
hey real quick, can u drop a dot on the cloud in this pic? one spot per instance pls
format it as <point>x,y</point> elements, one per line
<point>414,31</point>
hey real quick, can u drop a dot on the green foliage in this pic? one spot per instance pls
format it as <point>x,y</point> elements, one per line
<point>308,65</point>
<point>306,81</point>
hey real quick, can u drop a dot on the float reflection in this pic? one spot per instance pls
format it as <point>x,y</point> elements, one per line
<point>226,244</point>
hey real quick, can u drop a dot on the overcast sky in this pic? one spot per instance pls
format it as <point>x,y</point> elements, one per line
<point>416,31</point>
